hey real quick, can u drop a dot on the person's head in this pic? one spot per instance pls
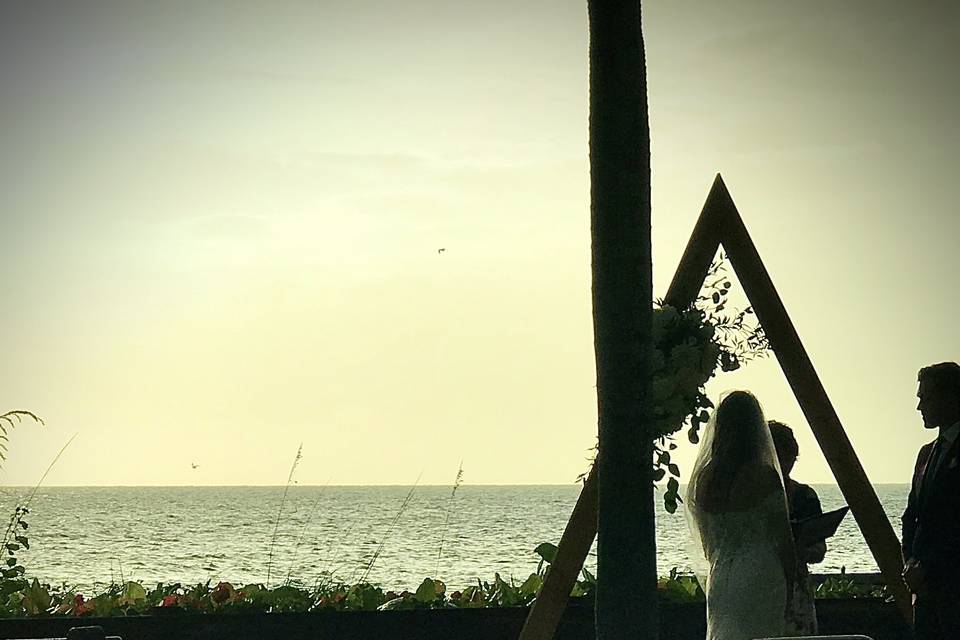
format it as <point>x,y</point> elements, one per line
<point>939,394</point>
<point>786,445</point>
<point>738,424</point>
<point>738,429</point>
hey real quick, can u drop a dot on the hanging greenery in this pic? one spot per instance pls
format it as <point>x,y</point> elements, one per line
<point>689,347</point>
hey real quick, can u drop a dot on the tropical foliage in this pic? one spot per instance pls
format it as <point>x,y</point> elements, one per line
<point>20,597</point>
<point>15,537</point>
<point>845,586</point>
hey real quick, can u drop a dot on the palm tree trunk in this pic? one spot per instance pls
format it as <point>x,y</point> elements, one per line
<point>622,309</point>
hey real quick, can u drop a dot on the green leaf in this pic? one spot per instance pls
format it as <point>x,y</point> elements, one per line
<point>546,551</point>
<point>132,593</point>
<point>669,504</point>
<point>532,585</point>
<point>426,592</point>
<point>11,562</point>
<point>394,604</point>
<point>36,598</point>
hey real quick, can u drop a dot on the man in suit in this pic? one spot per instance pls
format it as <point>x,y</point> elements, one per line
<point>931,523</point>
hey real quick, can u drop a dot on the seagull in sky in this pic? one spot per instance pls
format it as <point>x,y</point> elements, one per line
<point>194,465</point>
<point>441,250</point>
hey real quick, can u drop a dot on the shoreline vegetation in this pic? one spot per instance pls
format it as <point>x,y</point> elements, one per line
<point>23,596</point>
<point>32,598</point>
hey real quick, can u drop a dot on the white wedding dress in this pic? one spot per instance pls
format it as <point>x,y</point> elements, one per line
<point>746,590</point>
<point>740,537</point>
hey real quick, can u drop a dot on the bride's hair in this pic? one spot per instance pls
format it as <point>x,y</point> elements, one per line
<point>738,425</point>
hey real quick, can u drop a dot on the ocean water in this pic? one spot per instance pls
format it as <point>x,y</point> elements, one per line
<point>91,535</point>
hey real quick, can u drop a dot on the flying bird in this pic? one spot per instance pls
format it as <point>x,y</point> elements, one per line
<point>441,250</point>
<point>194,465</point>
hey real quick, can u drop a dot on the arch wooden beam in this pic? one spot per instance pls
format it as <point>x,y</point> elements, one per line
<point>813,400</point>
<point>720,224</point>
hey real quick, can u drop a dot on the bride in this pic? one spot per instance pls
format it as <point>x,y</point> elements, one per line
<point>737,512</point>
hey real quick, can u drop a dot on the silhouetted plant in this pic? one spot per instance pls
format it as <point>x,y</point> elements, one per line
<point>283,501</point>
<point>690,346</point>
<point>33,598</point>
<point>15,538</point>
<point>9,420</point>
<point>393,523</point>
<point>446,518</point>
<point>303,530</point>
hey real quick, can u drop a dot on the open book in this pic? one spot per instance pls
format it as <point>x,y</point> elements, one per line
<point>815,529</point>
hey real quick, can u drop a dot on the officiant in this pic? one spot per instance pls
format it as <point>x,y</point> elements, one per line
<point>803,503</point>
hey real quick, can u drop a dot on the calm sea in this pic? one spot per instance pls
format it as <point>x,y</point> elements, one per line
<point>89,535</point>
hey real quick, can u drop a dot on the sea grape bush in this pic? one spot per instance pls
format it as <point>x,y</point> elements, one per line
<point>28,598</point>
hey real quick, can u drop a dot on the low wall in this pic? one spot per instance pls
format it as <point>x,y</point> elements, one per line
<point>879,620</point>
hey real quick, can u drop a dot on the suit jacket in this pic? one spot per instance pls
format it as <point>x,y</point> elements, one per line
<point>931,523</point>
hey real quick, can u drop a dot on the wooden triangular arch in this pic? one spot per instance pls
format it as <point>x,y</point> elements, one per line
<point>720,224</point>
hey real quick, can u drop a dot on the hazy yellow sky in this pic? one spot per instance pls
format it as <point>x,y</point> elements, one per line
<point>220,224</point>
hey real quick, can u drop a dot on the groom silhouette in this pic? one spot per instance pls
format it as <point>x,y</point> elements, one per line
<point>931,523</point>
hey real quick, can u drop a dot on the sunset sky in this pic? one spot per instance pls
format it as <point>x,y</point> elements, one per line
<point>221,224</point>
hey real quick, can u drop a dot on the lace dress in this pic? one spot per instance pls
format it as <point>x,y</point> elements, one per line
<point>747,590</point>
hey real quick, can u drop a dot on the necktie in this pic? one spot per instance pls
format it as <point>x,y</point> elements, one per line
<point>930,470</point>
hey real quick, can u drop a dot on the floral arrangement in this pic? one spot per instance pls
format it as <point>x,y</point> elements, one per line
<point>690,346</point>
